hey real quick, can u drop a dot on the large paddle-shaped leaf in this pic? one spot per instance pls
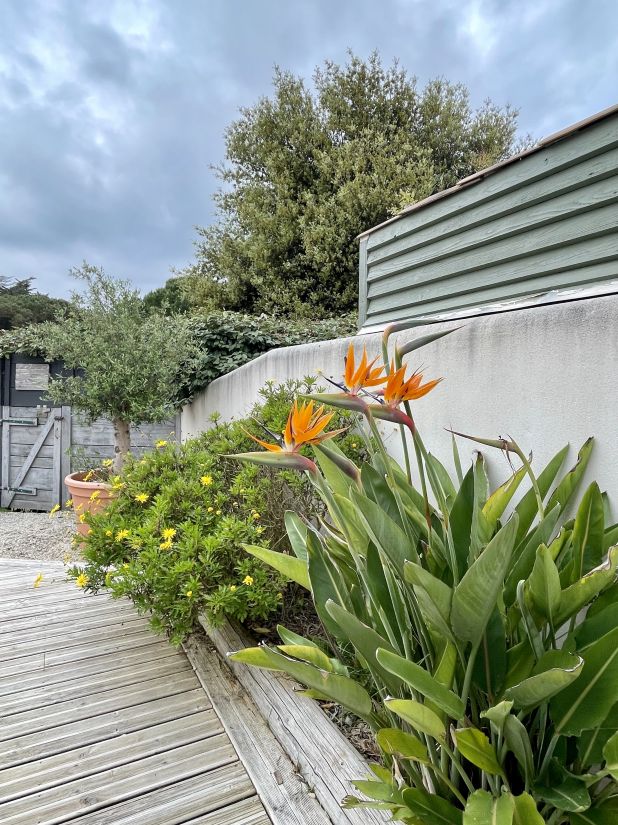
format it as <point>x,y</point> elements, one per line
<point>567,486</point>
<point>366,642</point>
<point>484,809</point>
<point>527,508</point>
<point>431,809</point>
<point>525,811</point>
<point>604,814</point>
<point>543,587</point>
<point>586,702</point>
<point>422,682</point>
<point>420,717</point>
<point>339,688</point>
<point>588,532</point>
<point>291,567</point>
<point>578,595</point>
<point>476,747</point>
<point>475,596</point>
<point>555,672</point>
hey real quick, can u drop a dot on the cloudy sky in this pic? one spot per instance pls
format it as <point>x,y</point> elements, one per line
<point>110,113</point>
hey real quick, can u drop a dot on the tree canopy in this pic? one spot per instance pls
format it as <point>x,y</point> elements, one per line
<point>20,305</point>
<point>307,169</point>
<point>128,358</point>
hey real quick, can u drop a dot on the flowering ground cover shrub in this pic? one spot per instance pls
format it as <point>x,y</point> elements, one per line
<point>487,631</point>
<point>171,539</point>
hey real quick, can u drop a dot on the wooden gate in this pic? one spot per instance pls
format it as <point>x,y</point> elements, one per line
<point>39,443</point>
<point>34,449</point>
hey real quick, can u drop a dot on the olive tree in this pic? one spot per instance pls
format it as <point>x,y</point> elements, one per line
<point>126,358</point>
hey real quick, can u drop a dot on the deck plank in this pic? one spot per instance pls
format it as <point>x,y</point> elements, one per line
<point>102,721</point>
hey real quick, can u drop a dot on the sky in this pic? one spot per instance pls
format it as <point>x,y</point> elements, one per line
<point>111,114</point>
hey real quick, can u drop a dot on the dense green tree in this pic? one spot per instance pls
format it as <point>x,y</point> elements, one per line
<point>170,298</point>
<point>308,169</point>
<point>20,305</point>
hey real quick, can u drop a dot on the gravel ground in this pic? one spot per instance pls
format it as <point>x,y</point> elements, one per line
<point>37,536</point>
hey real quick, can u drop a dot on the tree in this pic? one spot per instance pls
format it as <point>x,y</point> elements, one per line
<point>20,306</point>
<point>169,298</point>
<point>306,171</point>
<point>128,358</point>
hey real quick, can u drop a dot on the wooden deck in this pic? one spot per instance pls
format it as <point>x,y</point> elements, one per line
<point>101,721</point>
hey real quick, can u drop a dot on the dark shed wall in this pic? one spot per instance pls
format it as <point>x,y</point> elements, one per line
<point>546,221</point>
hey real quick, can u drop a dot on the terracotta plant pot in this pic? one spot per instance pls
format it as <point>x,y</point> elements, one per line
<point>81,492</point>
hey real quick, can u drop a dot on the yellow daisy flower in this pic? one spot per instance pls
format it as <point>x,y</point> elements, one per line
<point>82,518</point>
<point>255,516</point>
<point>248,580</point>
<point>68,502</point>
<point>168,533</point>
<point>82,580</point>
<point>233,587</point>
<point>122,534</point>
<point>206,480</point>
<point>142,497</point>
<point>165,545</point>
<point>95,494</point>
<point>160,443</point>
<point>54,510</point>
<point>109,533</point>
<point>189,594</point>
<point>210,509</point>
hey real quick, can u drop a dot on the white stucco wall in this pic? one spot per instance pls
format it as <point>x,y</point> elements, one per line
<point>545,376</point>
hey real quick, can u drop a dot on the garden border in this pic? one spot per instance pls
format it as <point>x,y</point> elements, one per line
<point>319,751</point>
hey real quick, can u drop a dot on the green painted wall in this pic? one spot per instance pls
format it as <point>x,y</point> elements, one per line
<point>544,222</point>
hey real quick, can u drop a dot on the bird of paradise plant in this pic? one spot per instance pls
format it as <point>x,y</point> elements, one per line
<point>487,630</point>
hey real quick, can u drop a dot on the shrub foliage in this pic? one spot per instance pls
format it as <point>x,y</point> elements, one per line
<point>172,538</point>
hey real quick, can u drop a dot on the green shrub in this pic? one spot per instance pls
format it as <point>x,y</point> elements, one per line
<point>487,630</point>
<point>227,340</point>
<point>171,538</point>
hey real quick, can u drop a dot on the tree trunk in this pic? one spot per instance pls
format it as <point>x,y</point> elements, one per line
<point>122,443</point>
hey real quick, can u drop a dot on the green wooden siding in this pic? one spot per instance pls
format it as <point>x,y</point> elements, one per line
<point>548,220</point>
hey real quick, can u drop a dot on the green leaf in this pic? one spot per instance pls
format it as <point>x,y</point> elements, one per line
<point>388,537</point>
<point>441,482</point>
<point>610,754</point>
<point>571,795</point>
<point>583,591</point>
<point>540,687</point>
<point>525,554</point>
<point>422,682</point>
<point>339,471</point>
<point>396,741</point>
<point>484,809</point>
<point>431,809</point>
<point>476,747</point>
<point>588,532</point>
<point>596,625</point>
<point>527,508</point>
<point>326,581</point>
<point>288,637</point>
<point>497,502</point>
<point>490,664</point>
<point>376,488</point>
<point>604,814</point>
<point>460,523</point>
<point>297,534</point>
<point>365,640</point>
<point>433,595</point>
<point>418,716</point>
<point>592,742</point>
<point>518,742</point>
<point>339,688</point>
<point>291,567</point>
<point>311,654</point>
<point>475,596</point>
<point>525,811</point>
<point>543,587</point>
<point>497,713</point>
<point>563,492</point>
<point>586,702</point>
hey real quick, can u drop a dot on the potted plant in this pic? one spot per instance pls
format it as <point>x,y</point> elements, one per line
<point>125,360</point>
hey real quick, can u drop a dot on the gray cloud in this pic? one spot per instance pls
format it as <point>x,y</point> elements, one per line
<point>110,114</point>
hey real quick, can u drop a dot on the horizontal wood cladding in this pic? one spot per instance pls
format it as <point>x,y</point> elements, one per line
<point>544,222</point>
